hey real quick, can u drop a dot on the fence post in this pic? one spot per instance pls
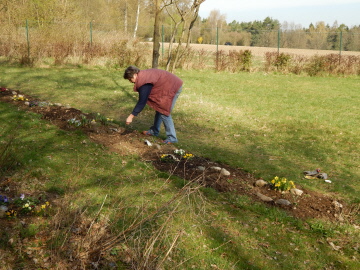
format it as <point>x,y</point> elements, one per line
<point>340,47</point>
<point>217,47</point>
<point>278,43</point>
<point>91,33</point>
<point>340,42</point>
<point>217,39</point>
<point>162,40</point>
<point>27,38</point>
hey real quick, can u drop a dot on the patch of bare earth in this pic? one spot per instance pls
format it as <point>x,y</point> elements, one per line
<point>125,142</point>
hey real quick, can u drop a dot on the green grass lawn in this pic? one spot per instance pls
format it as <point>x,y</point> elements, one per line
<point>267,124</point>
<point>270,125</point>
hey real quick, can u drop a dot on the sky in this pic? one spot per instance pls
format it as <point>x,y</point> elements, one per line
<point>298,12</point>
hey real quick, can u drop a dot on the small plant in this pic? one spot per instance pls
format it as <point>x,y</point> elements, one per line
<point>188,156</point>
<point>43,209</point>
<point>182,153</point>
<point>167,158</point>
<point>74,122</point>
<point>102,119</point>
<point>281,184</point>
<point>179,152</point>
<point>84,121</point>
<point>19,98</point>
<point>24,206</point>
<point>319,228</point>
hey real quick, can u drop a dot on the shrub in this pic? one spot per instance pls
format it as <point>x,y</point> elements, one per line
<point>276,61</point>
<point>239,60</point>
<point>221,61</point>
<point>282,61</point>
<point>316,65</point>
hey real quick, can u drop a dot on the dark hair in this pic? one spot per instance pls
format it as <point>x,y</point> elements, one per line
<point>130,71</point>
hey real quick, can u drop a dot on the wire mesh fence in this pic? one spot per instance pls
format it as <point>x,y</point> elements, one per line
<point>120,44</point>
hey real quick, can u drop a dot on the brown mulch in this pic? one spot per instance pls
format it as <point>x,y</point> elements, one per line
<point>309,205</point>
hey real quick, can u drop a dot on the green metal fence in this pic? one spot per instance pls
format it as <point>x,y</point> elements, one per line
<point>34,38</point>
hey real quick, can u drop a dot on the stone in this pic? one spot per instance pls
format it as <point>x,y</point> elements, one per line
<point>148,143</point>
<point>282,202</point>
<point>201,168</point>
<point>296,191</point>
<point>260,183</point>
<point>224,172</point>
<point>263,197</point>
<point>215,168</point>
<point>337,205</point>
<point>158,146</point>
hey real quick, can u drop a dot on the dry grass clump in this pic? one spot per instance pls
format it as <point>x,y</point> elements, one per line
<point>333,64</point>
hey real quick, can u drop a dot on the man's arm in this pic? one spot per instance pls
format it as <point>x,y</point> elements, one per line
<point>144,92</point>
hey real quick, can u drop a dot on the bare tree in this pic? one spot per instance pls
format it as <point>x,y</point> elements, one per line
<point>188,12</point>
<point>156,35</point>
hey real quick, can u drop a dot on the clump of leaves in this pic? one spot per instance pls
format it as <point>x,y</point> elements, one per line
<point>19,98</point>
<point>182,153</point>
<point>103,119</point>
<point>281,184</point>
<point>82,122</point>
<point>168,158</point>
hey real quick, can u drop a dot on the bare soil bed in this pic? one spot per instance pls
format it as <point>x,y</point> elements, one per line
<point>128,142</point>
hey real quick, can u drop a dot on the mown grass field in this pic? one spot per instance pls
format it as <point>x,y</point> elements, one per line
<point>267,124</point>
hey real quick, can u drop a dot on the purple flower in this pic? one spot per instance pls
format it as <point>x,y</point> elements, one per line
<point>4,199</point>
<point>22,196</point>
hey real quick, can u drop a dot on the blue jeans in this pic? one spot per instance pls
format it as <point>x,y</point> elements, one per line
<point>168,123</point>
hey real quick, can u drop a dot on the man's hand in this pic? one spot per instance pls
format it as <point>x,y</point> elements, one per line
<point>129,119</point>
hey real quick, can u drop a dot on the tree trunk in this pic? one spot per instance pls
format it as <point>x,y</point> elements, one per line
<point>125,18</point>
<point>137,19</point>
<point>156,36</point>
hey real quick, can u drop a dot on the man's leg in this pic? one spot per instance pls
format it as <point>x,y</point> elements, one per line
<point>168,122</point>
<point>169,129</point>
<point>155,128</point>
